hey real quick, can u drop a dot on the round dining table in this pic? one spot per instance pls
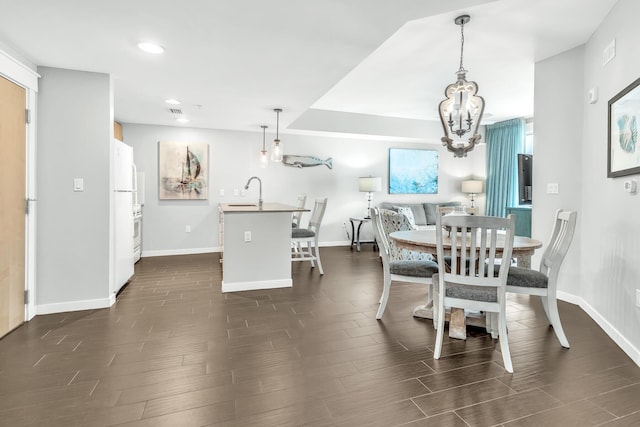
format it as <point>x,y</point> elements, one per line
<point>425,241</point>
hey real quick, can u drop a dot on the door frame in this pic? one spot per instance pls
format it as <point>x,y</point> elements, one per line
<point>24,76</point>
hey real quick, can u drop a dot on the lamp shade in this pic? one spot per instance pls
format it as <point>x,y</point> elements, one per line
<point>472,186</point>
<point>367,184</point>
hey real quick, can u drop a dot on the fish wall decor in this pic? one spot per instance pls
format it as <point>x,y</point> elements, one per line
<point>306,161</point>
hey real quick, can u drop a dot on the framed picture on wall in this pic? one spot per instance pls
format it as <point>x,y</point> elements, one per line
<point>183,169</point>
<point>413,171</point>
<point>623,156</point>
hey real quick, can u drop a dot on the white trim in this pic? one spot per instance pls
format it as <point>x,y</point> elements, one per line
<point>22,75</point>
<point>62,307</point>
<point>17,72</point>
<point>214,249</point>
<point>570,298</point>
<point>614,334</point>
<point>252,286</point>
<point>346,243</point>
<point>608,328</point>
<point>167,252</point>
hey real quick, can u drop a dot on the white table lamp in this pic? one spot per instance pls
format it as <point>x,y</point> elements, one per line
<point>472,187</point>
<point>369,184</point>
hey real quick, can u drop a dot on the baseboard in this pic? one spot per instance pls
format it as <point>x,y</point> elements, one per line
<point>335,243</point>
<point>570,298</point>
<point>62,307</point>
<point>252,286</point>
<point>190,251</point>
<point>214,249</point>
<point>613,333</point>
<point>607,327</point>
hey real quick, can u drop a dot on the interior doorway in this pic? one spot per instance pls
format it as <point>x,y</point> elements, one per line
<point>13,143</point>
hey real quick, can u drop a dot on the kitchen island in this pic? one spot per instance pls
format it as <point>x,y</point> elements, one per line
<point>256,242</point>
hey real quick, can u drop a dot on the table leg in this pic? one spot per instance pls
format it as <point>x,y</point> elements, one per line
<point>353,233</point>
<point>457,324</point>
<point>358,236</point>
<point>523,261</point>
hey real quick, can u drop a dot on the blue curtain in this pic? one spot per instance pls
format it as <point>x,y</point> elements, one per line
<point>504,141</point>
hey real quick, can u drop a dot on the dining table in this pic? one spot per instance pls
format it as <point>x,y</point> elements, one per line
<point>425,241</point>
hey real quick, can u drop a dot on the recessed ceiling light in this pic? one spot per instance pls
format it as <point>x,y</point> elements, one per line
<point>151,48</point>
<point>182,120</point>
<point>172,101</point>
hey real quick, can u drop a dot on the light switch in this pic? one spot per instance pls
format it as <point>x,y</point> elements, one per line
<point>78,184</point>
<point>552,188</point>
<point>221,192</point>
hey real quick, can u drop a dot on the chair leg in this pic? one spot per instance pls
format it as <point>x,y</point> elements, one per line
<point>307,253</point>
<point>440,330</point>
<point>436,297</point>
<point>386,288</point>
<point>554,318</point>
<point>317,256</point>
<point>504,343</point>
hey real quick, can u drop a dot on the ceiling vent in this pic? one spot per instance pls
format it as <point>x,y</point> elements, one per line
<point>175,110</point>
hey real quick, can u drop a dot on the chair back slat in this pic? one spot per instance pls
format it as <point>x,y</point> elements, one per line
<point>561,237</point>
<point>475,242</point>
<point>297,216</point>
<point>319,207</point>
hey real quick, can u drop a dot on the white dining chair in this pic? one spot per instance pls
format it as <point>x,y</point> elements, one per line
<point>474,243</point>
<point>544,282</point>
<point>401,266</point>
<point>297,216</point>
<point>304,241</point>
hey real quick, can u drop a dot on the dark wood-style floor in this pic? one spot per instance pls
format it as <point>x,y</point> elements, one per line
<point>174,351</point>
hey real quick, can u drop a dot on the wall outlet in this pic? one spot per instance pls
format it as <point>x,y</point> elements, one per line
<point>247,236</point>
<point>638,298</point>
<point>235,192</point>
<point>221,192</point>
<point>188,229</point>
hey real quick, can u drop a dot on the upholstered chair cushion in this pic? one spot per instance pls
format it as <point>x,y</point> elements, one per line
<point>413,268</point>
<point>302,232</point>
<point>526,278</point>
<point>475,293</point>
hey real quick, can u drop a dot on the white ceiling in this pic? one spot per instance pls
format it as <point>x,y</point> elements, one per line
<point>231,62</point>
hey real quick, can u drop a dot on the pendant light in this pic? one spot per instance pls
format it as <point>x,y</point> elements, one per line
<point>264,156</point>
<point>276,148</point>
<point>461,111</point>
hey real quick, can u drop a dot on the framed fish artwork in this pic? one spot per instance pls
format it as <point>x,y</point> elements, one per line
<point>413,171</point>
<point>183,169</point>
<point>623,155</point>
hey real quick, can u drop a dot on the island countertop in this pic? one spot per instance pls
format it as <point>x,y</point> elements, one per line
<point>253,208</point>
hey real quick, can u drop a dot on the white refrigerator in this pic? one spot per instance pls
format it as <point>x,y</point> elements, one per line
<point>123,214</point>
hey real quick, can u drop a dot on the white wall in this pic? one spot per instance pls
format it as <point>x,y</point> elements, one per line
<point>559,104</point>
<point>234,158</point>
<point>609,230</point>
<point>74,133</point>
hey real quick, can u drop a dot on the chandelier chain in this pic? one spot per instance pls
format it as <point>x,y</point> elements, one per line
<point>461,44</point>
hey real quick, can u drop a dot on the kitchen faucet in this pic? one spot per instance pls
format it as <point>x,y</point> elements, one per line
<point>246,187</point>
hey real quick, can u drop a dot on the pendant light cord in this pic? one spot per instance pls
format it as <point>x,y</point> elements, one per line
<point>461,44</point>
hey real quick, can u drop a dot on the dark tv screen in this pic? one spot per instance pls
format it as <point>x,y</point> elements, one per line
<point>525,178</point>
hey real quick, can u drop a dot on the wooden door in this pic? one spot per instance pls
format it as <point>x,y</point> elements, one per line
<point>12,209</point>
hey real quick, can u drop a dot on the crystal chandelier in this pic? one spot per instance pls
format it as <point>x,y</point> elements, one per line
<point>461,111</point>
